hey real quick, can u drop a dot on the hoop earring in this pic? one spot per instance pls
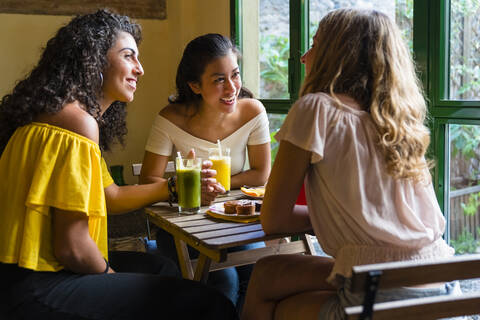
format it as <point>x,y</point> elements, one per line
<point>101,79</point>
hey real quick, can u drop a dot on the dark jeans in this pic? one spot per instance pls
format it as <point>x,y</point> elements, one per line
<point>145,287</point>
<point>232,282</point>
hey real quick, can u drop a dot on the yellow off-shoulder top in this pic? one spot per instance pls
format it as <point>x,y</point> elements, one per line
<point>45,167</point>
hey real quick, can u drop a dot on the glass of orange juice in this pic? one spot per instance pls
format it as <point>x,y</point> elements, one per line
<point>222,164</point>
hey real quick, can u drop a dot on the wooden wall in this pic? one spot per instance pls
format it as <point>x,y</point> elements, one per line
<point>147,9</point>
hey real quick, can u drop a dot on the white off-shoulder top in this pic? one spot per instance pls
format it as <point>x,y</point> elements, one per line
<point>165,138</point>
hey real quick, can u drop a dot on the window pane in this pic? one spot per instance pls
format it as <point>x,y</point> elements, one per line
<point>266,48</point>
<point>464,191</point>
<point>462,209</point>
<point>400,11</point>
<point>275,121</point>
<point>464,49</point>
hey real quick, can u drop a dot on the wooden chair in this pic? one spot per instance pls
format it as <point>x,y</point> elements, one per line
<point>369,278</point>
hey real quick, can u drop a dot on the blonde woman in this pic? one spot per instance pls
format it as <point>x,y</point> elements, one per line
<point>358,139</point>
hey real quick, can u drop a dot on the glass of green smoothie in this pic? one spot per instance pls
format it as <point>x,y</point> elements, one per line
<point>188,185</point>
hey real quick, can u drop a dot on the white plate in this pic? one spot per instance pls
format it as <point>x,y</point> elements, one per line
<point>218,209</point>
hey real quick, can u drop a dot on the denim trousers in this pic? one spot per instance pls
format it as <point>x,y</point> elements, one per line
<point>144,286</point>
<point>232,282</point>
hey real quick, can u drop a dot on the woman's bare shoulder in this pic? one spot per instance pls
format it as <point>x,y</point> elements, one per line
<point>73,118</point>
<point>250,108</point>
<point>173,113</point>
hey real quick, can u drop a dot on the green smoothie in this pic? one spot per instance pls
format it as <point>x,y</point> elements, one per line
<point>188,189</point>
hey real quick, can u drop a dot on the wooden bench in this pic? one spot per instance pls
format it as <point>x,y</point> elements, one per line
<point>370,278</point>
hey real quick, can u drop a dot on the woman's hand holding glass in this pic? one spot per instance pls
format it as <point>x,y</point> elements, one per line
<point>210,187</point>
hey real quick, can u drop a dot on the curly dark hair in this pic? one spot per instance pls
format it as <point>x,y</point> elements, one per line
<point>197,55</point>
<point>70,69</point>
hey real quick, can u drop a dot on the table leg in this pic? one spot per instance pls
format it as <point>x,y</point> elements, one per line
<point>184,259</point>
<point>203,268</point>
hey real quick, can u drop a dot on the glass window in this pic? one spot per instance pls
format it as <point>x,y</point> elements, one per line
<point>464,50</point>
<point>266,46</point>
<point>464,188</point>
<point>400,11</point>
<point>275,122</point>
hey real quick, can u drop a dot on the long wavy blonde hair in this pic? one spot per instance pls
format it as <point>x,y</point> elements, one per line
<point>362,54</point>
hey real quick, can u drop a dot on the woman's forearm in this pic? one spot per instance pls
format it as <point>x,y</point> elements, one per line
<point>251,177</point>
<point>72,244</point>
<point>297,221</point>
<point>127,198</point>
<point>84,258</point>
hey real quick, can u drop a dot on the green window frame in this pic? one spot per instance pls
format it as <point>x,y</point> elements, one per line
<point>432,53</point>
<point>299,41</point>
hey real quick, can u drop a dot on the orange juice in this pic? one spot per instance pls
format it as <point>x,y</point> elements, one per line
<point>222,164</point>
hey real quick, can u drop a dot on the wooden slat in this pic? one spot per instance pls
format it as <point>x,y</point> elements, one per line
<point>203,222</point>
<point>237,240</point>
<point>148,9</point>
<point>411,273</point>
<point>241,258</point>
<point>244,229</point>
<point>423,308</point>
<point>211,227</point>
<point>186,218</point>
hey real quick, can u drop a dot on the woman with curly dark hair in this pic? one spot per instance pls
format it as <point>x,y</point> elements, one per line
<point>56,189</point>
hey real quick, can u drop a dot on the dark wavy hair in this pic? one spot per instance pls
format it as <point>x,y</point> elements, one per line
<point>197,55</point>
<point>70,69</point>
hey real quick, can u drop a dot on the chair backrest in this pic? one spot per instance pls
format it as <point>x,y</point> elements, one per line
<point>137,167</point>
<point>369,278</point>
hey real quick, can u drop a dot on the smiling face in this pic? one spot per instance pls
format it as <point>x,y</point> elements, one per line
<point>121,75</point>
<point>307,58</point>
<point>220,84</point>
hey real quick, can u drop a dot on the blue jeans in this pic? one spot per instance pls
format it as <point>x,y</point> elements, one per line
<point>232,282</point>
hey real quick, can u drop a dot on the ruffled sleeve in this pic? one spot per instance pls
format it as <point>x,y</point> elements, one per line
<point>306,124</point>
<point>45,167</point>
<point>159,141</point>
<point>260,133</point>
<point>106,177</point>
<point>68,174</point>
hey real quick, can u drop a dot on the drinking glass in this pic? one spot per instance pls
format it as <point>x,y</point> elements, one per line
<point>189,187</point>
<point>222,164</point>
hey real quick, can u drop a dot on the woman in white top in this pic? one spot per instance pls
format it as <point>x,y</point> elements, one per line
<point>211,105</point>
<point>357,137</point>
